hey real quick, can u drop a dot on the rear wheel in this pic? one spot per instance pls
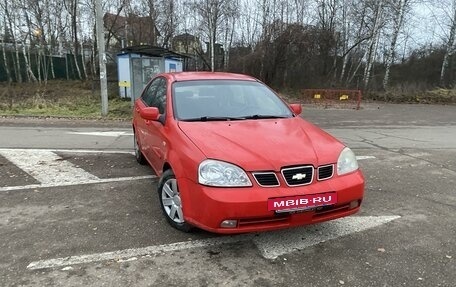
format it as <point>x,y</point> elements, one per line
<point>138,153</point>
<point>170,201</point>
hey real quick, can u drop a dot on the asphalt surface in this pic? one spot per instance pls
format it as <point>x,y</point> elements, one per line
<point>405,234</point>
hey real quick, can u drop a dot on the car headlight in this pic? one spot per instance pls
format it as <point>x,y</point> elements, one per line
<point>218,173</point>
<point>347,162</point>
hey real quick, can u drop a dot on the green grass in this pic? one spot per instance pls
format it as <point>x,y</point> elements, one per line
<point>61,99</point>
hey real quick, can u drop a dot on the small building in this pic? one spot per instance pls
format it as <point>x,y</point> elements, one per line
<point>136,65</point>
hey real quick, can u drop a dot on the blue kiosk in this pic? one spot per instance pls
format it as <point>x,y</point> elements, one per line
<point>136,65</point>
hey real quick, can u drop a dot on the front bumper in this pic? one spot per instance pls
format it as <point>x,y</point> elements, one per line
<point>206,207</point>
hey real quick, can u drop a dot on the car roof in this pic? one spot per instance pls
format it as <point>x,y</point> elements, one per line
<point>192,76</point>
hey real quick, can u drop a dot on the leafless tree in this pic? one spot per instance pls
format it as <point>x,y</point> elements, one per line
<point>6,32</point>
<point>449,46</point>
<point>378,10</point>
<point>213,13</point>
<point>398,14</point>
<point>72,7</point>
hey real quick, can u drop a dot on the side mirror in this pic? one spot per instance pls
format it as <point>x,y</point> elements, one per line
<point>150,113</point>
<point>296,108</point>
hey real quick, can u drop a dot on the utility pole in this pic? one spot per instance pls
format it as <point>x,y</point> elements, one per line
<point>102,58</point>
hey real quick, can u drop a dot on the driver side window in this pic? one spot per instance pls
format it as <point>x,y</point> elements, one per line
<point>149,93</point>
<point>155,95</point>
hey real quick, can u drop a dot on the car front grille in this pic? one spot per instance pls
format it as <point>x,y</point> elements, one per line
<point>300,175</point>
<point>268,179</point>
<point>325,172</point>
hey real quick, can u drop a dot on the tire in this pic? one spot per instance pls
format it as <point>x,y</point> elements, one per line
<point>170,202</point>
<point>138,153</point>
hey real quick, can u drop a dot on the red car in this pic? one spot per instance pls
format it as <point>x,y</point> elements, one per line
<point>233,157</point>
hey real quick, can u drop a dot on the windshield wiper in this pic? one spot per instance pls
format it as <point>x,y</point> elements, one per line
<point>256,117</point>
<point>207,119</point>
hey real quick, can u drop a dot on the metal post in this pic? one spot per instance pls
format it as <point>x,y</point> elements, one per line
<point>102,59</point>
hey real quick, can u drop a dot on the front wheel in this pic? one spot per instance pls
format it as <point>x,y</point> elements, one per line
<point>170,201</point>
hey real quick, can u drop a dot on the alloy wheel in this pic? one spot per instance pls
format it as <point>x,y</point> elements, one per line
<point>171,201</point>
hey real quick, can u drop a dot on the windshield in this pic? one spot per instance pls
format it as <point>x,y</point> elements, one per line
<point>226,100</point>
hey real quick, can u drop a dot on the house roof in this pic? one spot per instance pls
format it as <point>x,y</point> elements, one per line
<point>185,37</point>
<point>138,28</point>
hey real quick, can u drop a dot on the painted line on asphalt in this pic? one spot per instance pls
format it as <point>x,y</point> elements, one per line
<point>100,180</point>
<point>88,151</point>
<point>134,252</point>
<point>102,134</point>
<point>362,157</point>
<point>270,244</point>
<point>47,167</point>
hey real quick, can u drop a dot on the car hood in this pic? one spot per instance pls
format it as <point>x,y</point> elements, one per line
<point>269,144</point>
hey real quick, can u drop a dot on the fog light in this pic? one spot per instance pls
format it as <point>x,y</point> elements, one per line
<point>229,224</point>
<point>353,204</point>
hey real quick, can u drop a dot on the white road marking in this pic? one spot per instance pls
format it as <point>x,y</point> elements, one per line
<point>47,167</point>
<point>99,180</point>
<point>88,151</point>
<point>103,134</point>
<point>270,244</point>
<point>134,252</point>
<point>52,171</point>
<point>361,157</point>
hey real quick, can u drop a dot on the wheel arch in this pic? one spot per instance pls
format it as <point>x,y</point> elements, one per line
<point>166,166</point>
<point>173,163</point>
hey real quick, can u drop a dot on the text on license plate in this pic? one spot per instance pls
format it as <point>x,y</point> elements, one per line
<point>302,201</point>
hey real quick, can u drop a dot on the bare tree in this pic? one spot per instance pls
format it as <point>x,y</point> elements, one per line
<point>167,21</point>
<point>4,41</point>
<point>398,9</point>
<point>213,13</point>
<point>450,43</point>
<point>71,7</point>
<point>375,35</point>
<point>248,25</point>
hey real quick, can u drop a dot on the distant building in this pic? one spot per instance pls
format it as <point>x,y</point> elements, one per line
<point>190,46</point>
<point>129,31</point>
<point>219,55</point>
<point>186,44</point>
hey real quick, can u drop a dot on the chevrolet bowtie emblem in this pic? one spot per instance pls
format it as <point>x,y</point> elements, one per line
<point>299,176</point>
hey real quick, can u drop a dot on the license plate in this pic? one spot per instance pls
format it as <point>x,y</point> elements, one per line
<point>301,202</point>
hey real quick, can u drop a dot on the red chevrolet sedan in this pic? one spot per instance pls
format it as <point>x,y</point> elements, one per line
<point>233,157</point>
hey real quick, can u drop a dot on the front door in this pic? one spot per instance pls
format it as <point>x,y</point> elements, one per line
<point>154,133</point>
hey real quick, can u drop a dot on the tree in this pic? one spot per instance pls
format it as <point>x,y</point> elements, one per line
<point>450,43</point>
<point>71,7</point>
<point>6,38</point>
<point>167,21</point>
<point>374,39</point>
<point>398,9</point>
<point>213,13</point>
